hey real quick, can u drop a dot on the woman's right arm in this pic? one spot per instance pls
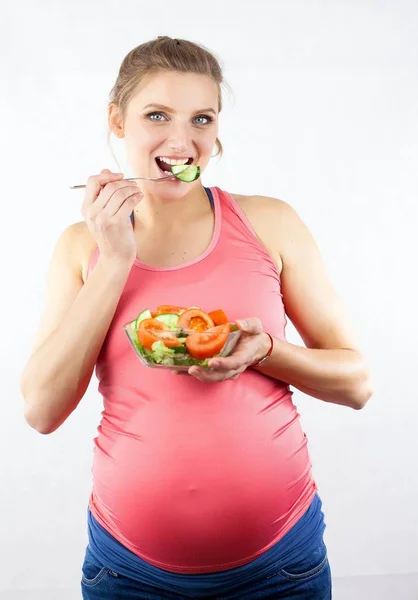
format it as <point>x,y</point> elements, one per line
<point>77,315</point>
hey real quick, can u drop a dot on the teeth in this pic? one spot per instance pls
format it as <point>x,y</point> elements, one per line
<point>173,161</point>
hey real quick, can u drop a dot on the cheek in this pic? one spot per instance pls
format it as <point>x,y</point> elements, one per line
<point>141,140</point>
<point>206,141</point>
<point>140,145</point>
<point>207,147</point>
<point>210,144</point>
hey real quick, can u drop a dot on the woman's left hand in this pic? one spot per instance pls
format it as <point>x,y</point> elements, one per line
<point>251,346</point>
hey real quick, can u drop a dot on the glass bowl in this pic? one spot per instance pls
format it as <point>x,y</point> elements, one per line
<point>179,349</point>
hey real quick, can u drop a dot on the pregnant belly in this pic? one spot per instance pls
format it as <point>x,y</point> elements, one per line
<point>196,498</point>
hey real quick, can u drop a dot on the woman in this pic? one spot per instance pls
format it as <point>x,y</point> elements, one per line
<point>202,485</point>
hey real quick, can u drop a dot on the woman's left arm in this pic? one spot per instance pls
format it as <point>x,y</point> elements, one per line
<point>336,375</point>
<point>331,367</point>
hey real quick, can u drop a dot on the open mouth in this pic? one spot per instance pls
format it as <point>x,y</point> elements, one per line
<point>164,164</point>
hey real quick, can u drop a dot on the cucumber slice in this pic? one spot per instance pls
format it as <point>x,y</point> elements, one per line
<point>145,314</point>
<point>188,174</point>
<point>169,319</point>
<point>180,350</point>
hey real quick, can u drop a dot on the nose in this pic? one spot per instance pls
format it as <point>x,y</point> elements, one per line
<point>180,138</point>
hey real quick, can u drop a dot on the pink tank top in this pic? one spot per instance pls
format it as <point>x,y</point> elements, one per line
<point>198,477</point>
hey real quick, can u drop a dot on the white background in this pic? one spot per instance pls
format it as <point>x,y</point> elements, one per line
<point>323,115</point>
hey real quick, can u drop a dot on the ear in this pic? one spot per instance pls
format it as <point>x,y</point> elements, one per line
<point>115,120</point>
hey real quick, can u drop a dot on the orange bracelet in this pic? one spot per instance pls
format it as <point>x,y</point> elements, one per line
<point>258,362</point>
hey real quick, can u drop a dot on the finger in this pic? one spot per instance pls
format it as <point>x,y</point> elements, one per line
<point>95,184</point>
<point>112,198</point>
<point>208,376</point>
<point>230,363</point>
<point>205,378</point>
<point>252,325</point>
<point>127,194</point>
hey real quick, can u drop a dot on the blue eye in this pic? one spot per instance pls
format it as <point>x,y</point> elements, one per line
<point>160,117</point>
<point>205,118</point>
<point>153,116</point>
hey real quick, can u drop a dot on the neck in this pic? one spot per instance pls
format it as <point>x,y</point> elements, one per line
<point>159,211</point>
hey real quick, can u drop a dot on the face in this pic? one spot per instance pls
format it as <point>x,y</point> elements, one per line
<point>171,119</point>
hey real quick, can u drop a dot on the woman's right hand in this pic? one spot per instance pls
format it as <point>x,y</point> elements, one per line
<point>108,204</point>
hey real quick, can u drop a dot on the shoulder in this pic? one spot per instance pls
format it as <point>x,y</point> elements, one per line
<point>264,207</point>
<point>76,245</point>
<point>275,221</point>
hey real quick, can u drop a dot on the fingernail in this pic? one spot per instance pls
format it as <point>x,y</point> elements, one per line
<point>243,323</point>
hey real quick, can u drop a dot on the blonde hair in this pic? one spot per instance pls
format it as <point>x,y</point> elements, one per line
<point>164,54</point>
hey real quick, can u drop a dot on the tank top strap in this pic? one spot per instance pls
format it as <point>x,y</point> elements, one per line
<point>238,226</point>
<point>210,196</point>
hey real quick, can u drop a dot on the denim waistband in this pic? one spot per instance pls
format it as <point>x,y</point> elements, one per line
<point>306,534</point>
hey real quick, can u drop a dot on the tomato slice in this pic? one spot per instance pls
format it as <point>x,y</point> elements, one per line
<point>164,309</point>
<point>218,317</point>
<point>195,319</point>
<point>153,330</point>
<point>206,344</point>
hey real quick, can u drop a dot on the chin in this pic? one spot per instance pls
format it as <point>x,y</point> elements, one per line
<point>172,189</point>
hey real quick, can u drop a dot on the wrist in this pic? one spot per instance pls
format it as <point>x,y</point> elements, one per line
<point>265,350</point>
<point>115,263</point>
<point>114,268</point>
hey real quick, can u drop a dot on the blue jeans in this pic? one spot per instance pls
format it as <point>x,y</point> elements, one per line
<point>307,579</point>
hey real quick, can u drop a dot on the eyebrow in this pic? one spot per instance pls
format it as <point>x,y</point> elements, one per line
<point>168,109</point>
